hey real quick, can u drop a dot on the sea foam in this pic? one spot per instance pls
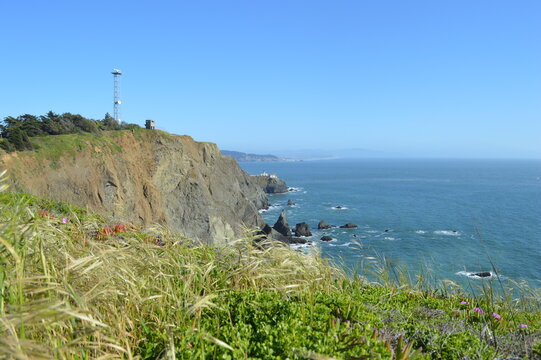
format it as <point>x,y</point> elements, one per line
<point>447,232</point>
<point>346,244</point>
<point>472,275</point>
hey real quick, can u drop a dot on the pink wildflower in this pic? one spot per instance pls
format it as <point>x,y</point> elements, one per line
<point>479,310</point>
<point>497,316</point>
<point>523,326</point>
<point>464,303</point>
<point>64,220</point>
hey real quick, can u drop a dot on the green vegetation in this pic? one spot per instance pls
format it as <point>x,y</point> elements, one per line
<point>74,286</point>
<point>16,132</point>
<point>52,148</point>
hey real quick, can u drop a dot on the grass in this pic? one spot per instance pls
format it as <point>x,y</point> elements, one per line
<point>52,147</point>
<point>74,286</point>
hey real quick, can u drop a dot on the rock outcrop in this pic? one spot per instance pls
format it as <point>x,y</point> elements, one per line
<point>271,233</point>
<point>348,226</point>
<point>326,238</point>
<point>281,225</point>
<point>271,184</point>
<point>483,274</point>
<point>145,176</point>
<point>302,229</point>
<point>322,225</point>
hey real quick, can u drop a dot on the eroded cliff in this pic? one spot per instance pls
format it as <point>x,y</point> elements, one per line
<point>144,176</point>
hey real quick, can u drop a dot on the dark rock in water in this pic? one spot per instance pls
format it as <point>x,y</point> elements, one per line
<point>271,234</point>
<point>326,238</point>
<point>338,207</point>
<point>348,226</point>
<point>302,229</point>
<point>296,240</point>
<point>323,225</point>
<point>282,226</point>
<point>387,230</point>
<point>290,203</point>
<point>271,184</point>
<point>266,229</point>
<point>275,235</point>
<point>483,274</point>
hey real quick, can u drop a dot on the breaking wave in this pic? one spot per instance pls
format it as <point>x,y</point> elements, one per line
<point>447,232</point>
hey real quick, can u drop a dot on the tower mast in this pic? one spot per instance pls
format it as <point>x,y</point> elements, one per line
<point>116,94</point>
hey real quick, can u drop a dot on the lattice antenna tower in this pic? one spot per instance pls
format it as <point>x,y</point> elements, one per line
<point>116,93</point>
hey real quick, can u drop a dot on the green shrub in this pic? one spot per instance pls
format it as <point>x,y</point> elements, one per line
<point>71,290</point>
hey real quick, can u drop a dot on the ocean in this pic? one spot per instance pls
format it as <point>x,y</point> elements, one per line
<point>454,217</point>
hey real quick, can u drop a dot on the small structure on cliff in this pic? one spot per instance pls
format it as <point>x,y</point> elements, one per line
<point>149,124</point>
<point>271,184</point>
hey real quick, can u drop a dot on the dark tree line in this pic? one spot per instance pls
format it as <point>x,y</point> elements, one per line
<point>16,132</point>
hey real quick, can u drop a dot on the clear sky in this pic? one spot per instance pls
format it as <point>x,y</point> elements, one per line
<point>371,78</point>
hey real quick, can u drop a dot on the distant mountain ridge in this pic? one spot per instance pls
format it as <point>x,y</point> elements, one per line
<point>240,156</point>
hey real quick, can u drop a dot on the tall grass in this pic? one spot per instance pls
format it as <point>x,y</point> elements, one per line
<point>67,291</point>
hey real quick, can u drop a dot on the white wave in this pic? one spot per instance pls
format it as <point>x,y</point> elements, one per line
<point>346,244</point>
<point>372,231</point>
<point>308,245</point>
<point>294,189</point>
<point>472,275</point>
<point>420,232</point>
<point>339,208</point>
<point>389,238</point>
<point>447,232</point>
<point>270,208</point>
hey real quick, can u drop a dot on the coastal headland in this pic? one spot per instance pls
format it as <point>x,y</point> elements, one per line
<point>148,177</point>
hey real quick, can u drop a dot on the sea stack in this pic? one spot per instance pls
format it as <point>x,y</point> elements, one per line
<point>322,225</point>
<point>302,229</point>
<point>281,225</point>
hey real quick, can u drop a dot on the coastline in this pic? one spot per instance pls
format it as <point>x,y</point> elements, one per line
<point>463,196</point>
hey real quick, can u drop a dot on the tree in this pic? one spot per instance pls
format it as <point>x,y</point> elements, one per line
<point>30,125</point>
<point>20,140</point>
<point>109,123</point>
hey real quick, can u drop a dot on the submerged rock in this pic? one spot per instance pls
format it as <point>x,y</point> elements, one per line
<point>483,274</point>
<point>302,229</point>
<point>348,226</point>
<point>326,238</point>
<point>290,203</point>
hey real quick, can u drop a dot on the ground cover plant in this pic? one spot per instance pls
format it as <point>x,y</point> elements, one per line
<point>75,285</point>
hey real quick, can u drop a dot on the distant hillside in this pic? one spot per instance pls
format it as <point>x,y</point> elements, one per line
<point>240,156</point>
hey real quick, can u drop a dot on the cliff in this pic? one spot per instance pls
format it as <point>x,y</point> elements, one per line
<point>271,184</point>
<point>143,176</point>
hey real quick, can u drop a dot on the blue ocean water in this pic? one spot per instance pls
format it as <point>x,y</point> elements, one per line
<point>454,216</point>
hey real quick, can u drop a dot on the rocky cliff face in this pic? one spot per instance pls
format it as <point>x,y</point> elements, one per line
<point>271,184</point>
<point>145,176</point>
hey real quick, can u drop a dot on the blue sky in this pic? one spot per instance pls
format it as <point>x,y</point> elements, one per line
<point>369,78</point>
